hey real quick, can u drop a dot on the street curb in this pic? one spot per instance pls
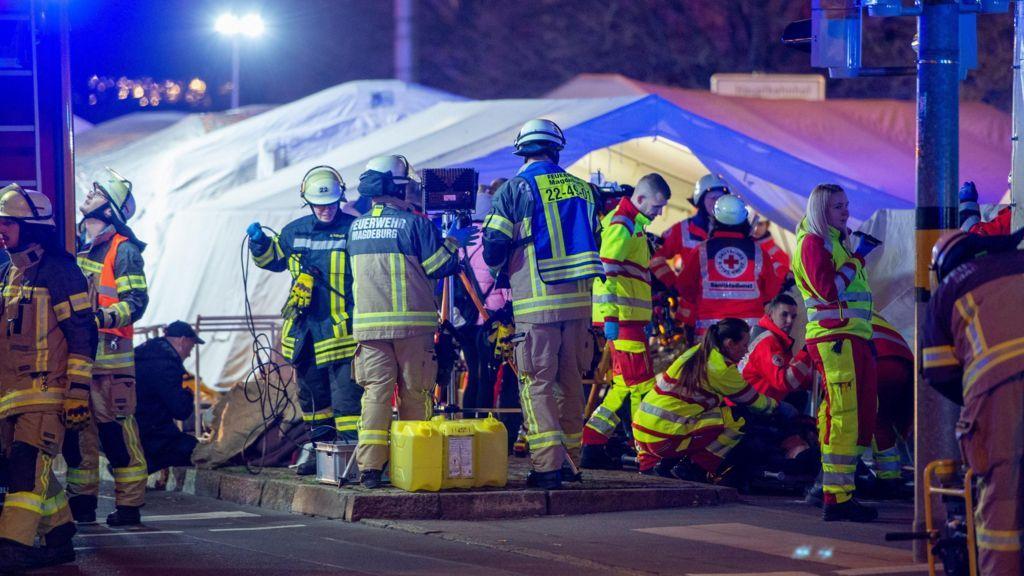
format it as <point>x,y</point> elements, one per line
<point>355,504</point>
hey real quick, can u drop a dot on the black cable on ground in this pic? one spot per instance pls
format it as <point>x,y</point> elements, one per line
<point>265,383</point>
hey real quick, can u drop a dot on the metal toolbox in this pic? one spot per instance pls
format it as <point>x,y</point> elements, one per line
<point>331,460</point>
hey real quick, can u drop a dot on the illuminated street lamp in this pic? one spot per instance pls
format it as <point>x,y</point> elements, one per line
<point>235,27</point>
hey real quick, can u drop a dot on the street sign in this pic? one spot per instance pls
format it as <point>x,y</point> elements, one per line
<point>770,86</point>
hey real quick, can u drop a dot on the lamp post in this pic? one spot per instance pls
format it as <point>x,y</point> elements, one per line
<point>234,27</point>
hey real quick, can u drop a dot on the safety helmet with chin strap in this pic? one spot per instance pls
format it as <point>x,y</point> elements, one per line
<point>26,206</point>
<point>957,247</point>
<point>707,183</point>
<point>730,210</point>
<point>539,136</point>
<point>118,191</point>
<point>401,171</point>
<point>322,185</point>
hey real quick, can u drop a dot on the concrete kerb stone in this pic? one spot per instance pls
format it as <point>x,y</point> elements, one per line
<point>480,505</point>
<point>207,483</point>
<point>316,500</point>
<point>278,495</point>
<point>405,506</point>
<point>245,490</point>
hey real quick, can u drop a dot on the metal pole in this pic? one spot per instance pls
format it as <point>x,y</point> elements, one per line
<point>403,40</point>
<point>938,86</point>
<point>197,403</point>
<point>1017,172</point>
<point>234,71</point>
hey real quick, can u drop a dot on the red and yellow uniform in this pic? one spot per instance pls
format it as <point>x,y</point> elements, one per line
<point>895,369</point>
<point>834,285</point>
<point>770,366</point>
<point>674,423</point>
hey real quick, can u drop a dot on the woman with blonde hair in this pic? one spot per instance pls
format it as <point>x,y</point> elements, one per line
<point>684,422</point>
<point>833,282</point>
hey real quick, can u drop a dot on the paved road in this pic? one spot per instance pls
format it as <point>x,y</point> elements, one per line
<point>194,535</point>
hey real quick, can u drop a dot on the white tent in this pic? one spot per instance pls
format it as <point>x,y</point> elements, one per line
<point>121,131</point>
<point>198,271</point>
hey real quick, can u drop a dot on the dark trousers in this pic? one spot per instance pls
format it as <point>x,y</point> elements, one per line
<point>166,450</point>
<point>489,385</point>
<point>328,396</point>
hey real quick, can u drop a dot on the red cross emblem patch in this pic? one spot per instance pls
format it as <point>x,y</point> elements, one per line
<point>730,262</point>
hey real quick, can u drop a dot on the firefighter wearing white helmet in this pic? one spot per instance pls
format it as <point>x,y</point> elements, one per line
<point>45,311</point>
<point>110,256</point>
<point>317,314</point>
<point>736,275</point>
<point>541,231</point>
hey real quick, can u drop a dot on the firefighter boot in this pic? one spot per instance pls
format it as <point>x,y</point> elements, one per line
<point>124,516</point>
<point>58,548</point>
<point>544,480</point>
<point>83,509</point>
<point>850,510</point>
<point>371,479</point>
<point>305,465</point>
<point>15,557</point>
<point>663,468</point>
<point>596,457</point>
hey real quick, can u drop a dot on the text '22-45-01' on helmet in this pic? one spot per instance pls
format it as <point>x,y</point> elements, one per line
<point>322,185</point>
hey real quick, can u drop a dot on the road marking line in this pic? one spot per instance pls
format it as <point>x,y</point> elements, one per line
<point>257,528</point>
<point>909,568</point>
<point>842,553</point>
<point>758,573</point>
<point>200,516</point>
<point>130,533</point>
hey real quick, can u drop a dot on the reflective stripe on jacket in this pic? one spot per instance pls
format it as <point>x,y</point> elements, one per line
<point>48,332</point>
<point>397,256</point>
<point>769,365</point>
<point>508,246</point>
<point>668,411</point>
<point>834,285</point>
<point>625,294</point>
<point>319,249</point>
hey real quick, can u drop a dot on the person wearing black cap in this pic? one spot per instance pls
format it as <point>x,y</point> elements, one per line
<point>162,399</point>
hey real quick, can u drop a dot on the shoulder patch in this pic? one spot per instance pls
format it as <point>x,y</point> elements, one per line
<point>778,361</point>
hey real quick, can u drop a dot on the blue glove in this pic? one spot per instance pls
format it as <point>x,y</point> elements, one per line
<point>465,237</point>
<point>865,245</point>
<point>255,232</point>
<point>968,192</point>
<point>787,410</point>
<point>611,330</point>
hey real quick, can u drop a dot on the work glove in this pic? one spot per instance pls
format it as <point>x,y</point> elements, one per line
<point>611,330</point>
<point>787,410</point>
<point>105,318</point>
<point>300,296</point>
<point>464,237</point>
<point>76,413</point>
<point>866,243</point>
<point>968,192</point>
<point>255,233</point>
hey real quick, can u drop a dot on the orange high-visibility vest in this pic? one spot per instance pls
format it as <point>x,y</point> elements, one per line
<point>108,287</point>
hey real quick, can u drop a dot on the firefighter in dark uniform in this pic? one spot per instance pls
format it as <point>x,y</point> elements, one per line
<point>318,313</point>
<point>111,259</point>
<point>974,355</point>
<point>398,256</point>
<point>47,346</point>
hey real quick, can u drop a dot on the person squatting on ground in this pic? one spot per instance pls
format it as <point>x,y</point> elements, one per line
<point>317,330</point>
<point>622,309</point>
<point>729,275</point>
<point>834,284</point>
<point>162,399</point>
<point>974,355</point>
<point>542,232</point>
<point>110,256</point>
<point>770,365</point>
<point>397,256</point>
<point>684,420</point>
<point>47,345</point>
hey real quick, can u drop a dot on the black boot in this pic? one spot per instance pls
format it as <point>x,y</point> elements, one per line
<point>544,480</point>
<point>371,479</point>
<point>689,471</point>
<point>16,557</point>
<point>305,465</point>
<point>124,516</point>
<point>83,509</point>
<point>58,548</point>
<point>850,510</point>
<point>307,468</point>
<point>596,457</point>
<point>663,468</point>
<point>569,476</point>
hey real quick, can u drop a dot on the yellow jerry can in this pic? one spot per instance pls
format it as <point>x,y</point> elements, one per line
<point>416,456</point>
<point>443,453</point>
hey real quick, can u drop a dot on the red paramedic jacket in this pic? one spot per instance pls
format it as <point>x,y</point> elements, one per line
<point>770,366</point>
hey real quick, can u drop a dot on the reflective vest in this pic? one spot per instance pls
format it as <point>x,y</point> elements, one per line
<point>564,245</point>
<point>107,289</point>
<point>667,411</point>
<point>625,294</point>
<point>730,271</point>
<point>842,308</point>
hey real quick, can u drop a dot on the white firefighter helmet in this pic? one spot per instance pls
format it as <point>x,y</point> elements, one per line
<point>538,136</point>
<point>25,205</point>
<point>707,183</point>
<point>401,171</point>
<point>322,185</point>
<point>730,210</point>
<point>118,191</point>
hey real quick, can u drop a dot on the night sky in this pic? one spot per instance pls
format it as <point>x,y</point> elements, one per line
<point>309,45</point>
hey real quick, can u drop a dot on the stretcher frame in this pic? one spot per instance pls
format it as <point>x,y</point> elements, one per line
<point>947,468</point>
